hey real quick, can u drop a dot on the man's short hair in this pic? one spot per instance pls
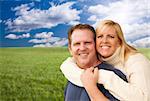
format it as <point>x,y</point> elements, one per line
<point>81,27</point>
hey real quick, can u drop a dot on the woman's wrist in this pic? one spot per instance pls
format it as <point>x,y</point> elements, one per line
<point>95,94</point>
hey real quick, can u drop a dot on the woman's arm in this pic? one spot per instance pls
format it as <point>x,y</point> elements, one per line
<point>138,82</point>
<point>137,88</point>
<point>71,71</point>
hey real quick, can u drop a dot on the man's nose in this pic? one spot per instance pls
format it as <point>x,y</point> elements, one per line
<point>82,46</point>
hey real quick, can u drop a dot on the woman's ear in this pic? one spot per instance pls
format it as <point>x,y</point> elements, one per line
<point>119,42</point>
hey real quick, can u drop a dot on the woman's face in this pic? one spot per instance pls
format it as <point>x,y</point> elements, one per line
<point>107,41</point>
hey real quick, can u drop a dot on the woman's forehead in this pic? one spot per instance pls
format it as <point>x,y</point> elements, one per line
<point>106,28</point>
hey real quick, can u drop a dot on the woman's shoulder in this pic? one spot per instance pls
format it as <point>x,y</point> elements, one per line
<point>137,56</point>
<point>137,59</point>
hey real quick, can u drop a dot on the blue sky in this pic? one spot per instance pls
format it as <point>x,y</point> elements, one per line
<point>45,23</point>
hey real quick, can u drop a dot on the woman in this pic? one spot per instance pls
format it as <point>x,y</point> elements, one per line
<point>113,49</point>
<point>110,43</point>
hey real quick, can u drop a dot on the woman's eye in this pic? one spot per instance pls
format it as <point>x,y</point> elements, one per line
<point>111,36</point>
<point>100,36</point>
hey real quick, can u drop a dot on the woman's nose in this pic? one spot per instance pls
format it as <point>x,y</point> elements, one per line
<point>104,39</point>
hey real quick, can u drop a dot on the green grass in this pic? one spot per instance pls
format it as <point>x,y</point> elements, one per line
<point>145,51</point>
<point>33,74</point>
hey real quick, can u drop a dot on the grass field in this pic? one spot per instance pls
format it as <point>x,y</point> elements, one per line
<point>33,74</point>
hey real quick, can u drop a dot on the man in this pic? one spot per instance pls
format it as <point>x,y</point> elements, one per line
<point>82,48</point>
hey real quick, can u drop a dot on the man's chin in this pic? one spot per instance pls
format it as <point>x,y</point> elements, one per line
<point>84,67</point>
<point>83,64</point>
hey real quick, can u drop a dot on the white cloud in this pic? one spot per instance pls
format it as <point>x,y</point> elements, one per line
<point>61,42</point>
<point>92,18</point>
<point>73,23</point>
<point>144,42</point>
<point>29,19</point>
<point>13,36</point>
<point>132,15</point>
<point>22,10</point>
<point>137,31</point>
<point>125,11</point>
<point>25,35</point>
<point>45,39</point>
<point>44,35</point>
<point>38,41</point>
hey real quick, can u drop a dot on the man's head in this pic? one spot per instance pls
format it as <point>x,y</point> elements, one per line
<point>82,45</point>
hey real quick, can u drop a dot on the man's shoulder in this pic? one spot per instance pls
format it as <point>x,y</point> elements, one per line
<point>105,66</point>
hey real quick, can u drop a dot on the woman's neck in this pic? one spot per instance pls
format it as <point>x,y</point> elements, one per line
<point>117,59</point>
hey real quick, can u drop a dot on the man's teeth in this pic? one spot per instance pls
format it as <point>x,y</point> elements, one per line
<point>83,54</point>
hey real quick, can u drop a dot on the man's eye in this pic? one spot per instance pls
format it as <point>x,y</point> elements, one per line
<point>88,42</point>
<point>76,44</point>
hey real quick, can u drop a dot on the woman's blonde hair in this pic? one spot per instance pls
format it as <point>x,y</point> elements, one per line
<point>127,48</point>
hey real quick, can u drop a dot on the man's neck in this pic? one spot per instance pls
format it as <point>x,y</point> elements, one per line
<point>95,63</point>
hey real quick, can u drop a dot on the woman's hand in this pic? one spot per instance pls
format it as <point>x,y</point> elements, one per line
<point>89,77</point>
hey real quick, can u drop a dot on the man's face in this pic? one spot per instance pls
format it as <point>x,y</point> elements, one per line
<point>82,48</point>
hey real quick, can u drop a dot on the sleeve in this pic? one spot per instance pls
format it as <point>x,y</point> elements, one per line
<point>137,88</point>
<point>71,71</point>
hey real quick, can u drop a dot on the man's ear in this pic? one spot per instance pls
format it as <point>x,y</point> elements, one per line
<point>69,47</point>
